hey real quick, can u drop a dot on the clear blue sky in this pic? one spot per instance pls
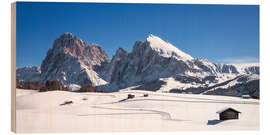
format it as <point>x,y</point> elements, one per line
<point>220,33</point>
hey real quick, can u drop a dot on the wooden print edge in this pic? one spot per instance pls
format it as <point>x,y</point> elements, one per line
<point>13,67</point>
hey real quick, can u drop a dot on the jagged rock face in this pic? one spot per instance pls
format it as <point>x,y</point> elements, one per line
<point>119,55</point>
<point>203,65</point>
<point>154,64</point>
<point>227,69</point>
<point>253,88</point>
<point>28,74</point>
<point>252,70</point>
<point>241,85</point>
<point>156,58</point>
<point>73,61</point>
<point>148,62</point>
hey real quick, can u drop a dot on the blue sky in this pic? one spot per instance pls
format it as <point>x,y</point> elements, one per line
<point>219,33</point>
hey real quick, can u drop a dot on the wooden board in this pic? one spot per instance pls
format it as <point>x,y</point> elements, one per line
<point>13,67</point>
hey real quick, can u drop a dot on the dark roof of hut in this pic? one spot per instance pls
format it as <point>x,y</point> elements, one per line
<point>227,108</point>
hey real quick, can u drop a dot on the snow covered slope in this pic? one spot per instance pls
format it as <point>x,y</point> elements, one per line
<point>166,49</point>
<point>248,68</point>
<point>109,112</point>
<point>211,85</point>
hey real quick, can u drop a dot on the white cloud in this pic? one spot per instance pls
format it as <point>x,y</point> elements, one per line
<point>239,60</point>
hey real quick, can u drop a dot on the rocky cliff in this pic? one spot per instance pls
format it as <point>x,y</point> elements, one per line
<point>73,61</point>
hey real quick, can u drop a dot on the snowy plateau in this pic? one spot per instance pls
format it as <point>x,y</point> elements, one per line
<point>183,93</point>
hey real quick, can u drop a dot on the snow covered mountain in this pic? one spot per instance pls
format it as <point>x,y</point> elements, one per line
<point>156,58</point>
<point>148,61</point>
<point>155,63</point>
<point>28,74</point>
<point>73,61</point>
<point>166,49</point>
<point>120,53</point>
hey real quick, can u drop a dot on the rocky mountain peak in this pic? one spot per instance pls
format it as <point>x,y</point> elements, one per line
<point>73,61</point>
<point>166,49</point>
<point>119,55</point>
<point>155,58</point>
<point>149,60</point>
<point>151,36</point>
<point>67,35</point>
<point>91,54</point>
<point>120,51</point>
<point>68,43</point>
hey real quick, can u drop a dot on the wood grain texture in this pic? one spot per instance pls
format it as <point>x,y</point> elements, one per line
<point>13,67</point>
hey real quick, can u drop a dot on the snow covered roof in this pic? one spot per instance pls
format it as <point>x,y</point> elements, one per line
<point>227,108</point>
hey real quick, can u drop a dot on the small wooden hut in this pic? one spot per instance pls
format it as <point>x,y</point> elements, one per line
<point>228,113</point>
<point>145,95</point>
<point>130,96</point>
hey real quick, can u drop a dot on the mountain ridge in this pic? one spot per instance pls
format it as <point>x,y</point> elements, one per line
<point>72,61</point>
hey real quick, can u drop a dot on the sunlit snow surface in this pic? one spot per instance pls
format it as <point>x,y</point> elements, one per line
<point>166,49</point>
<point>46,112</point>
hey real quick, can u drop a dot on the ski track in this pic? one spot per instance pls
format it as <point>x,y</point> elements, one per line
<point>113,114</point>
<point>99,95</point>
<point>164,115</point>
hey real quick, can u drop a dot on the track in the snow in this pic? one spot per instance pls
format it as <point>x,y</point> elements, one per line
<point>164,115</point>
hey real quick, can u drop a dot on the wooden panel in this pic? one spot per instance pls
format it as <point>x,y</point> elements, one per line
<point>13,67</point>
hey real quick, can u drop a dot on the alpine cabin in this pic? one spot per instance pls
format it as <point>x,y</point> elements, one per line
<point>228,113</point>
